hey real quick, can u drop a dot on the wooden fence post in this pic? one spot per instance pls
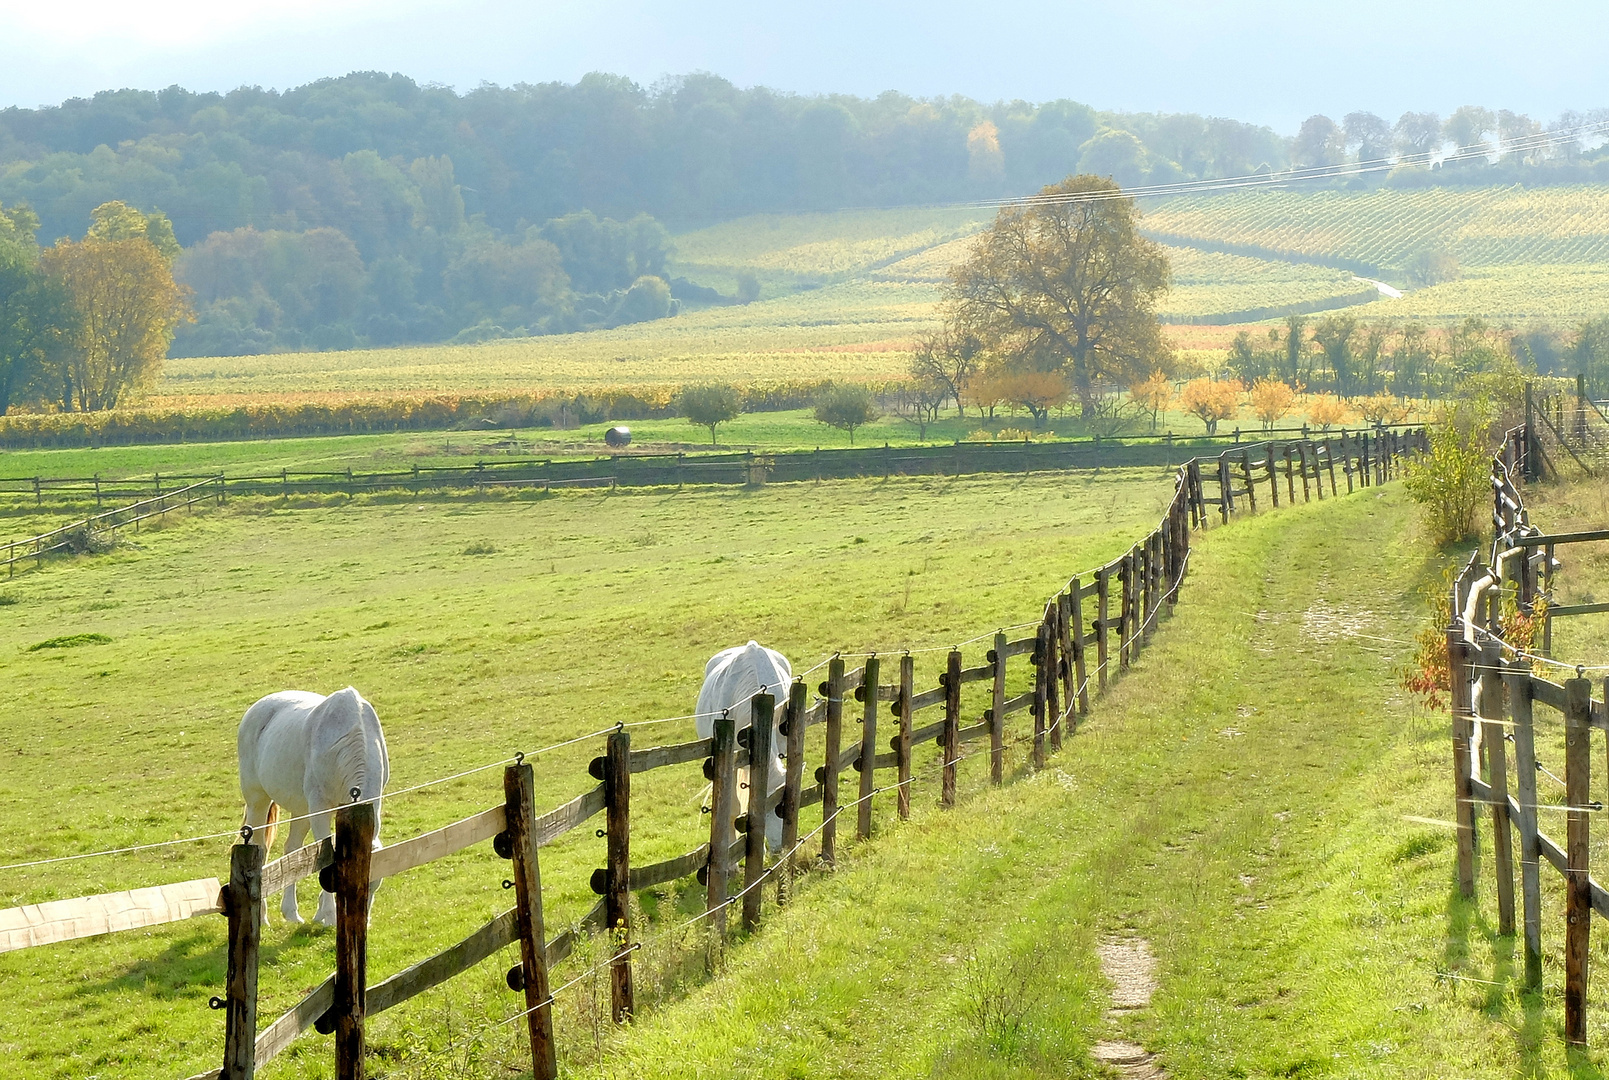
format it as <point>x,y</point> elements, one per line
<point>617,900</point>
<point>902,742</point>
<point>1517,674</point>
<point>519,812</point>
<point>1290,474</point>
<point>763,713</point>
<point>354,843</point>
<point>1079,684</point>
<point>723,803</point>
<point>1226,491</point>
<point>1251,488</point>
<point>868,748</point>
<point>1491,712</point>
<point>793,782</point>
<point>1578,896</point>
<point>1273,475</point>
<point>1103,590</point>
<point>243,904</point>
<point>1125,573</point>
<point>1310,449</point>
<point>1041,692</point>
<point>1464,809</point>
<point>1068,668</point>
<point>997,711</point>
<point>952,727</point>
<point>1058,667</point>
<point>834,693</point>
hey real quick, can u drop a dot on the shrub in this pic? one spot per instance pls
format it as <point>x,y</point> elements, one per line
<point>1153,395</point>
<point>1327,410</point>
<point>1453,481</point>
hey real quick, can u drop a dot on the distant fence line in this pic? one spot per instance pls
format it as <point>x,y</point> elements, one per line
<point>1494,691</point>
<point>81,535</point>
<point>1086,635</point>
<point>746,467</point>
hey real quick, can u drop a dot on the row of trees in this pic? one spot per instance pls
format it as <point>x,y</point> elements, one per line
<point>845,406</point>
<point>1507,138</point>
<point>84,323</point>
<point>1352,358</point>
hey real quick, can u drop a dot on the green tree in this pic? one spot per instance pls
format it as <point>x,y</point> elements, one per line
<point>1066,284</point>
<point>846,406</point>
<point>34,311</point>
<point>1334,334</point>
<point>948,359</point>
<point>1452,482</point>
<point>1589,355</point>
<point>648,298</point>
<point>709,405</point>
<point>120,221</point>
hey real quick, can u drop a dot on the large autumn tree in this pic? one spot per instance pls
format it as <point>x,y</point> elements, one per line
<point>1064,283</point>
<point>119,279</point>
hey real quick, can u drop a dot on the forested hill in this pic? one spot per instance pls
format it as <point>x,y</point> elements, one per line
<point>691,150</point>
<point>369,209</point>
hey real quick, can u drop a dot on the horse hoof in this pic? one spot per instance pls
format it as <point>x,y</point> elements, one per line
<point>292,917</point>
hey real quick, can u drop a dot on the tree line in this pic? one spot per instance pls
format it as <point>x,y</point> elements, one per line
<point>85,323</point>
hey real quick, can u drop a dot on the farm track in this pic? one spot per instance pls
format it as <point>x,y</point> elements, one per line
<point>1251,800</point>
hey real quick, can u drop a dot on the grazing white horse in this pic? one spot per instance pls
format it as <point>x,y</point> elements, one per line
<point>303,754</point>
<point>731,678</point>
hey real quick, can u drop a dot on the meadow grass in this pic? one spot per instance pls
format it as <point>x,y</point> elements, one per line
<point>1257,799</point>
<point>573,611</point>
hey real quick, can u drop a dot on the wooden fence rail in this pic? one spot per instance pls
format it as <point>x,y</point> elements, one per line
<point>1494,693</point>
<point>1120,602</point>
<point>68,537</point>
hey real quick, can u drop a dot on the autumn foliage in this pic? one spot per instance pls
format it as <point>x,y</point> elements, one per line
<point>1271,399</point>
<point>1211,400</point>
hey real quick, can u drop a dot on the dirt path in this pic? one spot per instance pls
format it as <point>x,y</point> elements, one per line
<point>1129,966</point>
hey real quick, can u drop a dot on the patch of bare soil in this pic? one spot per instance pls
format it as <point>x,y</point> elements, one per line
<point>1129,966</point>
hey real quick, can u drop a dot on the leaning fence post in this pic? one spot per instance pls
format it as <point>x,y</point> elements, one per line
<point>1491,712</point>
<point>762,719</point>
<point>617,897</point>
<point>243,904</point>
<point>1103,590</point>
<point>902,741</point>
<point>952,727</point>
<point>868,748</point>
<point>833,691</point>
<point>1517,674</point>
<point>519,815</point>
<point>1055,663</point>
<point>723,801</point>
<point>1464,810</point>
<point>1079,685</point>
<point>997,710</point>
<point>792,783</point>
<point>1578,895</point>
<point>354,843</point>
<point>1041,693</point>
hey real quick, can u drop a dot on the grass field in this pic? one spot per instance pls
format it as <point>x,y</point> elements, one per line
<point>572,612</point>
<point>1257,800</point>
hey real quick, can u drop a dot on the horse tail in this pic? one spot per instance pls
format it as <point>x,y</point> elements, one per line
<point>269,828</point>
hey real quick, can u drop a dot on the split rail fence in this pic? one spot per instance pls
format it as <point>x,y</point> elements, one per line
<point>68,537</point>
<point>1085,635</point>
<point>1495,692</point>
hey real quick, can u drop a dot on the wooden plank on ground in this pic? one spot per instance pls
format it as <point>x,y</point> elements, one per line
<point>87,916</point>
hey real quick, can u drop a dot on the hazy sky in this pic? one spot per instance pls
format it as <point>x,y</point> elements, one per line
<point>1260,60</point>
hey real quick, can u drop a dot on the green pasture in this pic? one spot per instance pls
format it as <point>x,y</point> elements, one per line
<point>479,627</point>
<point>1257,799</point>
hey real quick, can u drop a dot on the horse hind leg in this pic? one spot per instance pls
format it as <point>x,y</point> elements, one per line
<point>295,837</point>
<point>260,812</point>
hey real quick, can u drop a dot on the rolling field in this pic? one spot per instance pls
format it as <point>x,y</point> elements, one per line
<point>1387,227</point>
<point>478,627</point>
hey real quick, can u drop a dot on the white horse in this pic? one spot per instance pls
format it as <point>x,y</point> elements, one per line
<point>304,754</point>
<point>731,679</point>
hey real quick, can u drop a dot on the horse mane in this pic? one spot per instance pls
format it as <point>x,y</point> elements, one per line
<point>349,751</point>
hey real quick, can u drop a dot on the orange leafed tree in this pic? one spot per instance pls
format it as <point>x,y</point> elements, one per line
<point>128,306</point>
<point>1152,395</point>
<point>1211,400</point>
<point>1270,400</point>
<point>1327,410</point>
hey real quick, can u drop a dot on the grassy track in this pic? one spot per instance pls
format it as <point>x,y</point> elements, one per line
<point>580,610</point>
<point>1245,800</point>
